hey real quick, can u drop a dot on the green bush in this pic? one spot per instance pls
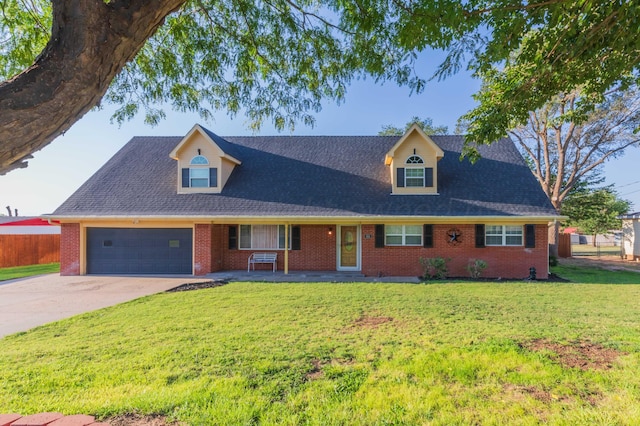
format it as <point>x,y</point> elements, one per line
<point>553,261</point>
<point>475,267</point>
<point>434,268</point>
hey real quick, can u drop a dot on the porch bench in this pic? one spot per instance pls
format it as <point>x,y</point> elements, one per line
<point>262,258</point>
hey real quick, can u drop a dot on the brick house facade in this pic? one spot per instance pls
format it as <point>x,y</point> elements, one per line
<point>376,205</point>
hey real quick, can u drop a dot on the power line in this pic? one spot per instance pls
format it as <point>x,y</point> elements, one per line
<point>629,184</point>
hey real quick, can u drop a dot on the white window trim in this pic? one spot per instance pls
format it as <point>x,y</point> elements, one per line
<point>503,234</point>
<point>406,177</point>
<point>199,166</point>
<point>404,236</point>
<point>191,178</point>
<point>280,230</point>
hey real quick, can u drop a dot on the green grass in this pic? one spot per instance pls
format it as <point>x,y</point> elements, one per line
<point>27,271</point>
<point>581,274</point>
<point>250,353</point>
<point>590,250</point>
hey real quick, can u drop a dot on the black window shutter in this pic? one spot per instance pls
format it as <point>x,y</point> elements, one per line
<point>428,177</point>
<point>479,235</point>
<point>530,236</point>
<point>379,236</point>
<point>213,177</point>
<point>185,177</point>
<point>400,177</point>
<point>233,237</point>
<point>295,238</point>
<point>427,236</point>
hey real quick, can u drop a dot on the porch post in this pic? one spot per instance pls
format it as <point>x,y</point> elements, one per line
<point>286,249</point>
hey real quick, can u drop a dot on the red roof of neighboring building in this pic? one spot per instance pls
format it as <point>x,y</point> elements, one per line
<point>36,221</point>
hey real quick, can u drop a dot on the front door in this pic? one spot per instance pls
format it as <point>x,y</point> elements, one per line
<point>348,249</point>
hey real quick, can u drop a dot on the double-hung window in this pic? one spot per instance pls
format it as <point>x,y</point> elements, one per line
<point>414,176</point>
<point>503,235</point>
<point>403,235</point>
<point>199,172</point>
<point>263,237</point>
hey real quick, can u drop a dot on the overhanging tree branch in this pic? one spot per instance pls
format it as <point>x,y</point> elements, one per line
<point>73,72</point>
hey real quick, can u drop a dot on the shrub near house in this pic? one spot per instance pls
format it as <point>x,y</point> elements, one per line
<point>374,204</point>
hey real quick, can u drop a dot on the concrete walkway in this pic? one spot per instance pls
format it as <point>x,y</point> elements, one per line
<point>305,277</point>
<point>30,302</point>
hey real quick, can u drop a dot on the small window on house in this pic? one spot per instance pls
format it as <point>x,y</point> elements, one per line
<point>199,172</point>
<point>107,243</point>
<point>414,176</point>
<point>403,235</point>
<point>263,237</point>
<point>503,235</point>
<point>174,243</point>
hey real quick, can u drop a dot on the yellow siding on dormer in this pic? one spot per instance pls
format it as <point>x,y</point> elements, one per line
<point>225,171</point>
<point>415,142</point>
<point>188,148</point>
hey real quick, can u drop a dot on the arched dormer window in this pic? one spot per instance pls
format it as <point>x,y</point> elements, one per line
<point>415,159</point>
<point>199,160</point>
<point>199,172</point>
<point>414,176</point>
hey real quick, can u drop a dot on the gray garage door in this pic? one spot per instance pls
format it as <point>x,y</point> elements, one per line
<point>139,251</point>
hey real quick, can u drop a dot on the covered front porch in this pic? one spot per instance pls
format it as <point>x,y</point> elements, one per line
<point>304,276</point>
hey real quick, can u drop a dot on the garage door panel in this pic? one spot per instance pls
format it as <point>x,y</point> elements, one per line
<point>139,251</point>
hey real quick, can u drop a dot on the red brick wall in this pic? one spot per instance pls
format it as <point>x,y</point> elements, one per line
<point>317,251</point>
<point>505,262</point>
<point>202,249</point>
<point>218,244</point>
<point>70,249</point>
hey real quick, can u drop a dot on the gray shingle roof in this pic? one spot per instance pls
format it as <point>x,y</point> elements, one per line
<point>334,176</point>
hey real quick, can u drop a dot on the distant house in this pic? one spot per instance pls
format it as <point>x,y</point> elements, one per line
<point>23,225</point>
<point>631,235</point>
<point>28,241</point>
<point>374,204</point>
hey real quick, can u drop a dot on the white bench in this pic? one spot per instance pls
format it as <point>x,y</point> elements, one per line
<point>262,258</point>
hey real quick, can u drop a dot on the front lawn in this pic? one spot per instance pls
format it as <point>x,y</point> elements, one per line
<point>27,271</point>
<point>250,353</point>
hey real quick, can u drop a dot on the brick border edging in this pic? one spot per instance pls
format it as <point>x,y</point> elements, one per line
<point>49,419</point>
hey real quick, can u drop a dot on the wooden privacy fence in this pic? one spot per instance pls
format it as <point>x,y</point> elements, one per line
<point>564,245</point>
<point>23,250</point>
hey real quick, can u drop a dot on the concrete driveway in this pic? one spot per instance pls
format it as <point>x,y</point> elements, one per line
<point>30,302</point>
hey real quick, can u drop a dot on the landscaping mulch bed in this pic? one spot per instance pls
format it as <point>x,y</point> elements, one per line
<point>198,286</point>
<point>138,420</point>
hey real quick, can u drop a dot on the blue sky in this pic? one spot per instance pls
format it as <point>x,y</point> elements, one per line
<point>60,168</point>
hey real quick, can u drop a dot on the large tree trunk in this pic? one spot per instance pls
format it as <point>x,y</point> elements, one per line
<point>90,43</point>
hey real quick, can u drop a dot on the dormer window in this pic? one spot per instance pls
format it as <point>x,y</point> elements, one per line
<point>199,172</point>
<point>414,176</point>
<point>413,164</point>
<point>199,160</point>
<point>204,161</point>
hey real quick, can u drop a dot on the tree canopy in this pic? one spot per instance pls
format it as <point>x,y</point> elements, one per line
<point>277,59</point>
<point>566,148</point>
<point>595,211</point>
<point>426,124</point>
